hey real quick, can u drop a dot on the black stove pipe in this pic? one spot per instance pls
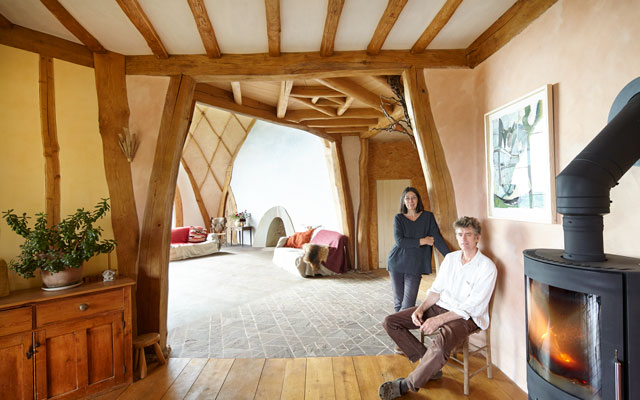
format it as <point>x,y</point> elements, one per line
<point>582,188</point>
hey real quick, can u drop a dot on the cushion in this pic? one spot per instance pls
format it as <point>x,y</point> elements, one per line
<point>180,235</point>
<point>197,234</point>
<point>299,238</point>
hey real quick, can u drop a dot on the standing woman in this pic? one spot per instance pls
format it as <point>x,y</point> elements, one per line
<point>415,232</point>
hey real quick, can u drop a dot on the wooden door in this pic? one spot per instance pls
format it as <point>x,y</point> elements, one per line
<point>388,194</point>
<point>80,358</point>
<point>16,367</point>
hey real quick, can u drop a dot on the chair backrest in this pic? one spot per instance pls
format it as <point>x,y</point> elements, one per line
<point>218,225</point>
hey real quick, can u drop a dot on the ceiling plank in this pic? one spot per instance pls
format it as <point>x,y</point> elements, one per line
<point>237,92</point>
<point>223,99</point>
<point>283,98</point>
<point>306,115</point>
<point>353,129</point>
<point>306,102</point>
<point>5,23</point>
<point>207,34</point>
<point>334,10</point>
<point>351,88</point>
<point>436,25</point>
<point>273,26</point>
<point>73,25</point>
<point>139,19</point>
<point>331,101</point>
<point>510,24</point>
<point>314,91</point>
<point>262,67</point>
<point>346,105</point>
<point>46,45</point>
<point>341,122</point>
<point>388,19</point>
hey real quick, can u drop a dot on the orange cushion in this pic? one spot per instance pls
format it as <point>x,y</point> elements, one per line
<point>299,238</point>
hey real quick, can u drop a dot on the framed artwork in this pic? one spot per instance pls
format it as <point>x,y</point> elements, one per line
<point>520,159</point>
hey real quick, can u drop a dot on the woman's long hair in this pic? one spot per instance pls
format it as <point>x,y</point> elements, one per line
<point>403,207</point>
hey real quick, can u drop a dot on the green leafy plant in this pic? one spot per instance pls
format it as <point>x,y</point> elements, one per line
<point>69,243</point>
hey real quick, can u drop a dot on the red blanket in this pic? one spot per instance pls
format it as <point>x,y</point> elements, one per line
<point>338,259</point>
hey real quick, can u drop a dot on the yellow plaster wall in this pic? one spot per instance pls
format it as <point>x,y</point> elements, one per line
<point>83,182</point>
<point>21,159</point>
<point>22,163</point>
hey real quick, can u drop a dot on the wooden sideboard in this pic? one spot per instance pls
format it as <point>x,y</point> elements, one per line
<point>66,344</point>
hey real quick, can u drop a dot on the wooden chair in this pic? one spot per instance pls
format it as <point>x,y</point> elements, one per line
<point>139,343</point>
<point>468,349</point>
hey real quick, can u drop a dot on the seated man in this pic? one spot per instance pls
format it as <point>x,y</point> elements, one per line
<point>456,305</point>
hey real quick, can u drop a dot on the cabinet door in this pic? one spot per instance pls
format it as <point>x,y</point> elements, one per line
<point>16,367</point>
<point>80,358</point>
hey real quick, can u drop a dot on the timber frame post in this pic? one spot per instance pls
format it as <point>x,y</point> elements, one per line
<point>363,209</point>
<point>434,164</point>
<point>344,194</point>
<point>49,140</point>
<point>153,260</point>
<point>113,115</point>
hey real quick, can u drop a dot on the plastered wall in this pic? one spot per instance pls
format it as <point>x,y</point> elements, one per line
<point>82,181</point>
<point>588,50</point>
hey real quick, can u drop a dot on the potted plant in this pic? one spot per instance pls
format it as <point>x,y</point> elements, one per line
<point>240,218</point>
<point>60,249</point>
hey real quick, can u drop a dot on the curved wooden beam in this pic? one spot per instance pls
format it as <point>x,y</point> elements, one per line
<point>153,261</point>
<point>434,164</point>
<point>113,113</point>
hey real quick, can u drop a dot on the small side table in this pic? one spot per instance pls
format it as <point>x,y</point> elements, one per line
<point>240,230</point>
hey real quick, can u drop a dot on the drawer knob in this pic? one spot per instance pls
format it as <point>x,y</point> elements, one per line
<point>83,306</point>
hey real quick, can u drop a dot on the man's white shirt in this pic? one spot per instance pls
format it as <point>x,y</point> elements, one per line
<point>466,288</point>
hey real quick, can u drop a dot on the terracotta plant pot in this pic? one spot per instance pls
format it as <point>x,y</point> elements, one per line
<point>66,277</point>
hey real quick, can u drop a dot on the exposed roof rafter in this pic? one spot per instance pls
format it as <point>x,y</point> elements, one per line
<point>273,26</point>
<point>436,25</point>
<point>73,25</point>
<point>136,15</point>
<point>388,19</point>
<point>334,10</point>
<point>205,29</point>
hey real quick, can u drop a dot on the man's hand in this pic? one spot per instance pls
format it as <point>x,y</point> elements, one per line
<point>416,317</point>
<point>431,325</point>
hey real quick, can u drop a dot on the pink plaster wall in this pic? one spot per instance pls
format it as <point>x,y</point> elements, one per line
<point>146,96</point>
<point>588,50</point>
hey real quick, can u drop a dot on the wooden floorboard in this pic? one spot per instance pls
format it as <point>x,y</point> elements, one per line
<point>305,379</point>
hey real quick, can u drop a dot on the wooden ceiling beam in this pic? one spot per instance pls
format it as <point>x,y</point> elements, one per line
<point>306,115</point>
<point>334,10</point>
<point>237,92</point>
<point>341,122</point>
<point>5,23</point>
<point>273,26</point>
<point>283,98</point>
<point>436,25</point>
<point>511,23</point>
<point>343,108</point>
<point>388,19</point>
<point>205,29</point>
<point>139,19</point>
<point>353,129</point>
<point>314,91</point>
<point>308,103</point>
<point>352,89</point>
<point>262,67</point>
<point>330,102</point>
<point>46,45</point>
<point>73,25</point>
<point>223,99</point>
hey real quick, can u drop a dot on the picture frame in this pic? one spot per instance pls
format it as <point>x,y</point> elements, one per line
<point>520,159</point>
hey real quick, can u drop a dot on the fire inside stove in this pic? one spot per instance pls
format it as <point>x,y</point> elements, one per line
<point>564,340</point>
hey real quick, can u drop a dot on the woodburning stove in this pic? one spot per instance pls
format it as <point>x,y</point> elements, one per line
<point>583,306</point>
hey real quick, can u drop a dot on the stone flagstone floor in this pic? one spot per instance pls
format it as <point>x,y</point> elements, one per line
<point>237,304</point>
